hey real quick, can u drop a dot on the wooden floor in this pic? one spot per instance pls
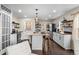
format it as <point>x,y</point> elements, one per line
<point>54,49</point>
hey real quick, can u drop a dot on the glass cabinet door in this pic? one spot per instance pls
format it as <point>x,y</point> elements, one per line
<point>5,31</point>
<point>3,20</point>
<point>8,43</point>
<point>0,46</point>
<point>3,38</point>
<point>3,45</point>
<point>0,43</point>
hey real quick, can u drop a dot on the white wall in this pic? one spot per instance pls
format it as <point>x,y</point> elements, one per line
<point>68,15</point>
<point>15,19</point>
<point>24,21</point>
<point>23,24</point>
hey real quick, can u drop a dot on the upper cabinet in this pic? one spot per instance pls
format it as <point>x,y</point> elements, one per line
<point>5,27</point>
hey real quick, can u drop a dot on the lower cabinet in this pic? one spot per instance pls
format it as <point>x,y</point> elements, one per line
<point>37,41</point>
<point>63,40</point>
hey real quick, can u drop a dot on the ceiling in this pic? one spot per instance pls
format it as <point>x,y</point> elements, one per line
<point>45,11</point>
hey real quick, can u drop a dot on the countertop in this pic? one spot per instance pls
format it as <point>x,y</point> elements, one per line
<point>64,33</point>
<point>34,33</point>
<point>67,34</point>
<point>40,34</point>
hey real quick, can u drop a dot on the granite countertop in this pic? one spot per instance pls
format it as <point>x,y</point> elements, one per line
<point>64,33</point>
<point>34,33</point>
<point>40,34</point>
<point>67,34</point>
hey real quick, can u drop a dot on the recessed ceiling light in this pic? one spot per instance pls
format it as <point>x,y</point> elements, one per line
<point>54,11</point>
<point>25,16</point>
<point>19,10</point>
<point>49,15</point>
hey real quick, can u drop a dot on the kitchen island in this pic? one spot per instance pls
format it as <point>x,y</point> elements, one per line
<point>37,41</point>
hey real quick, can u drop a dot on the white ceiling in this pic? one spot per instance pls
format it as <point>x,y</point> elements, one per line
<point>44,10</point>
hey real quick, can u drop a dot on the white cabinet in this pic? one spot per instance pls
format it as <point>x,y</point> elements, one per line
<point>67,41</point>
<point>37,41</point>
<point>5,27</point>
<point>63,40</point>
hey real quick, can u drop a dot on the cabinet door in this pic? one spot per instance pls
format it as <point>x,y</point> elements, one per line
<point>54,36</point>
<point>58,38</point>
<point>7,43</point>
<point>0,43</point>
<point>3,45</point>
<point>0,20</point>
<point>37,41</point>
<point>67,41</point>
<point>61,40</point>
<point>0,46</point>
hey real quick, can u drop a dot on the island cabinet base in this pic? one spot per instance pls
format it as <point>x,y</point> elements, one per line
<point>38,52</point>
<point>37,41</point>
<point>62,40</point>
